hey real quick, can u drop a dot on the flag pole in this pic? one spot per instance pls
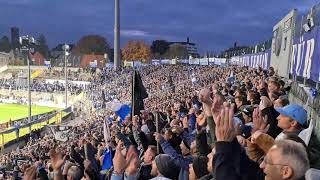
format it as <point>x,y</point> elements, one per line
<point>132,95</point>
<point>108,133</point>
<point>157,129</point>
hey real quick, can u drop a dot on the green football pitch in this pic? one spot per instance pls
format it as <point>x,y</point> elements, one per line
<point>17,111</point>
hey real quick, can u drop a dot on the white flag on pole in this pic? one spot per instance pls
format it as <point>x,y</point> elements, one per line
<point>106,132</point>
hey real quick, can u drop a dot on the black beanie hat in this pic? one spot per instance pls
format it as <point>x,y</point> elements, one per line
<point>167,167</point>
<point>200,166</point>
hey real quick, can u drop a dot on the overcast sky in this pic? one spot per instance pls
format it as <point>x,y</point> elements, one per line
<point>213,24</point>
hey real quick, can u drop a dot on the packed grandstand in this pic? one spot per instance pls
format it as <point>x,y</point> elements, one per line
<point>244,117</point>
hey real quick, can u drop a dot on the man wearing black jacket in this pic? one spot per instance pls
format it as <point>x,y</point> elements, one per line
<point>146,165</point>
<point>149,151</point>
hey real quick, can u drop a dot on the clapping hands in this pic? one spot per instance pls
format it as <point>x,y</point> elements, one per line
<point>217,106</point>
<point>57,159</point>
<point>128,162</point>
<point>260,123</point>
<point>226,129</point>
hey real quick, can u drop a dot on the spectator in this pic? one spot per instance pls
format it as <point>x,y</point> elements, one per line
<point>146,166</point>
<point>200,144</point>
<point>164,168</point>
<point>292,119</point>
<point>285,160</point>
<point>198,168</point>
<point>282,101</point>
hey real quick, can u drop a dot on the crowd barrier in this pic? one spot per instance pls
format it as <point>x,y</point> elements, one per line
<point>33,118</point>
<point>19,132</point>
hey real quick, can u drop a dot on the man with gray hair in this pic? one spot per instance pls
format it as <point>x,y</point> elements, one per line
<point>74,173</point>
<point>286,159</point>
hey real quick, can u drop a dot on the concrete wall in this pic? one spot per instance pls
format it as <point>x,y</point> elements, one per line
<point>282,43</point>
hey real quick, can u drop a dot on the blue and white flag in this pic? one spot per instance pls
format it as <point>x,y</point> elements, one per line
<point>122,110</point>
<point>107,160</point>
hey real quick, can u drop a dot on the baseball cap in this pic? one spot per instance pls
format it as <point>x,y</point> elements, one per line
<point>294,111</point>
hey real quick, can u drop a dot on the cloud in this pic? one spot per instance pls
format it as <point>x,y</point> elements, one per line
<point>213,25</point>
<point>134,33</point>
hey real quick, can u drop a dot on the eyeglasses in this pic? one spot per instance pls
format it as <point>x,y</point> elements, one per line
<point>266,161</point>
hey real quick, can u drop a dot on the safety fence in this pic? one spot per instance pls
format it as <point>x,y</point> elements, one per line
<point>15,133</point>
<point>34,118</point>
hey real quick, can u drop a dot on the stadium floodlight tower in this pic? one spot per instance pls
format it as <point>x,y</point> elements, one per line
<point>66,53</point>
<point>27,43</point>
<point>116,61</point>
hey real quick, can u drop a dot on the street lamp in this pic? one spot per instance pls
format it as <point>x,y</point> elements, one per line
<point>66,48</point>
<point>26,43</point>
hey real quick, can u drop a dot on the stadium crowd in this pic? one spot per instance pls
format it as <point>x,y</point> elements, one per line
<point>221,123</point>
<point>39,85</point>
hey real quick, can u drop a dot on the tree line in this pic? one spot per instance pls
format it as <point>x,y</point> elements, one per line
<point>133,50</point>
<point>159,49</point>
<point>98,45</point>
